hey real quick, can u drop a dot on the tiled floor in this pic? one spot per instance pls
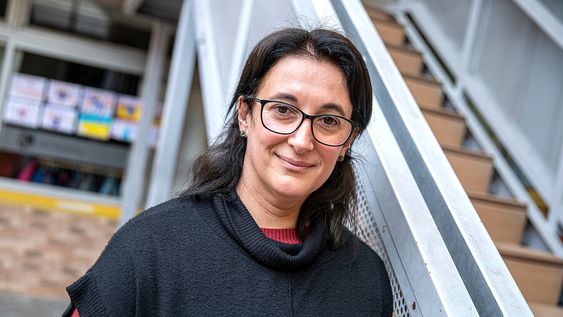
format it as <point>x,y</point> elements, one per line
<point>41,252</point>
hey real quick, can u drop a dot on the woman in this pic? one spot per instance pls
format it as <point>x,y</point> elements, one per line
<point>261,229</point>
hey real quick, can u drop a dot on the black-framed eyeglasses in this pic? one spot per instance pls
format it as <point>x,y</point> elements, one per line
<point>284,118</point>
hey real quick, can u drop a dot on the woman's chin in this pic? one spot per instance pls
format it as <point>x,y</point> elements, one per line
<point>294,189</point>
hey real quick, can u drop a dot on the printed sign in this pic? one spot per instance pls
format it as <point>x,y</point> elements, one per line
<point>28,86</point>
<point>64,94</point>
<point>59,118</point>
<point>98,102</point>
<point>23,112</point>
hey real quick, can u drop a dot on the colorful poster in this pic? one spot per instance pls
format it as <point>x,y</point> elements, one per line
<point>98,102</point>
<point>28,86</point>
<point>63,93</point>
<point>123,130</point>
<point>95,127</point>
<point>23,112</point>
<point>129,108</point>
<point>59,118</point>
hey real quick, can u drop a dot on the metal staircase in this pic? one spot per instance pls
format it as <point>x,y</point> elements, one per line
<point>538,274</point>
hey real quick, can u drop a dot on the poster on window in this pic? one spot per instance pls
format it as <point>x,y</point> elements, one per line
<point>129,108</point>
<point>23,112</point>
<point>63,93</point>
<point>28,86</point>
<point>59,118</point>
<point>98,102</point>
<point>94,127</point>
<point>124,130</point>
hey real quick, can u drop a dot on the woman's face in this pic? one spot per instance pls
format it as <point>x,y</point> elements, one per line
<point>293,166</point>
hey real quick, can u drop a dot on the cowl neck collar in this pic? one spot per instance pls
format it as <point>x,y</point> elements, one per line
<point>240,226</point>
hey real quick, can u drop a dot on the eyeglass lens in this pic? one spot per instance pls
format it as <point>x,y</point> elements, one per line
<point>286,119</point>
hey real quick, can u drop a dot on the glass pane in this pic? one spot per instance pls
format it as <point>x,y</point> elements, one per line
<point>88,18</point>
<point>3,8</point>
<point>79,74</point>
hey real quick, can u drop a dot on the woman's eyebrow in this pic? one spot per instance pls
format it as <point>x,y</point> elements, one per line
<point>333,106</point>
<point>284,96</point>
<point>328,106</point>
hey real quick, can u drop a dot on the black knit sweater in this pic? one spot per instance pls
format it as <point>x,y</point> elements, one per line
<point>207,257</point>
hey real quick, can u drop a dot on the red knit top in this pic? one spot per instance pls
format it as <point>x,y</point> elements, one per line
<point>288,236</point>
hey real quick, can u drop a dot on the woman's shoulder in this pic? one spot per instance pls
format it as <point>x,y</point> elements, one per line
<point>164,221</point>
<point>173,212</point>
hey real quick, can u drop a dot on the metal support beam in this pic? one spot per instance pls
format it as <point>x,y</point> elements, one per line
<point>134,180</point>
<point>471,35</point>
<point>5,75</point>
<point>546,20</point>
<point>210,76</point>
<point>99,54</point>
<point>239,51</point>
<point>18,12</point>
<point>175,108</point>
<point>558,199</point>
<point>131,6</point>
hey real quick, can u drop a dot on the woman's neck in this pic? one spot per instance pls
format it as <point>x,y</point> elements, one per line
<point>268,211</point>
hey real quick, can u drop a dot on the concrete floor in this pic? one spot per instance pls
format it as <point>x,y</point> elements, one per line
<point>12,305</point>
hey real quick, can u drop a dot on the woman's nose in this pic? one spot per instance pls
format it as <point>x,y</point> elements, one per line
<point>302,139</point>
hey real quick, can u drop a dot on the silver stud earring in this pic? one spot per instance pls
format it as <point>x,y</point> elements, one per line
<point>243,134</point>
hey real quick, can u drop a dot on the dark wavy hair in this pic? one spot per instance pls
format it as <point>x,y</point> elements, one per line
<point>220,167</point>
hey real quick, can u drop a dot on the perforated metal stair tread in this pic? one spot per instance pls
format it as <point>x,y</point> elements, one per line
<point>524,253</point>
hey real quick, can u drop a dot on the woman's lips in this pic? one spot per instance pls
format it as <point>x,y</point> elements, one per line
<point>295,164</point>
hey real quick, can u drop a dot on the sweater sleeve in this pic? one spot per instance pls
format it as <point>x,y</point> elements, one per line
<point>109,287</point>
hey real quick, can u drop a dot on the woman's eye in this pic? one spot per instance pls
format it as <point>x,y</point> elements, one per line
<point>330,121</point>
<point>283,109</point>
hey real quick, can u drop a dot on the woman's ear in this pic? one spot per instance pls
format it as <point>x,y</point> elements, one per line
<point>243,114</point>
<point>348,143</point>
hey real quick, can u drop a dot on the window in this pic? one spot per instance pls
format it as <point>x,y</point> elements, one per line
<point>79,74</point>
<point>3,8</point>
<point>89,19</point>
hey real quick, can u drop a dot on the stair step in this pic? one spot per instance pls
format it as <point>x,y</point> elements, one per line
<point>539,275</point>
<point>390,31</point>
<point>474,169</point>
<point>447,126</point>
<point>426,92</point>
<point>543,310</point>
<point>378,13</point>
<point>504,219</point>
<point>408,61</point>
